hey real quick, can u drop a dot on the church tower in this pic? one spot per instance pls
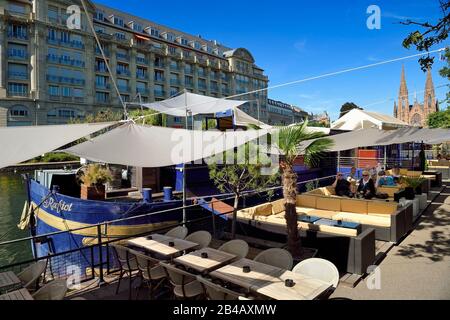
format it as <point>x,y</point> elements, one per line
<point>429,101</point>
<point>403,99</point>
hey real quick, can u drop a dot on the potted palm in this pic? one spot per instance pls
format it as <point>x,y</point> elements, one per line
<point>290,145</point>
<point>93,181</point>
<point>413,186</point>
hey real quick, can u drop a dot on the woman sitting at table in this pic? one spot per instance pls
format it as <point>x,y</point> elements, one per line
<point>366,186</point>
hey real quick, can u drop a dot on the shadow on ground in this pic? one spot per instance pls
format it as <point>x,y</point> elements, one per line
<point>435,224</point>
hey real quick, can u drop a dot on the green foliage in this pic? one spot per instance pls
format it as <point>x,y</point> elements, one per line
<point>291,138</point>
<point>105,115</point>
<point>412,182</point>
<point>348,106</point>
<point>429,35</point>
<point>54,157</point>
<point>318,124</point>
<point>148,117</point>
<point>245,174</point>
<point>439,119</point>
<point>95,174</point>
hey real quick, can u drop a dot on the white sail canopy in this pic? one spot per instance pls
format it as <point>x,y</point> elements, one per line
<point>18,144</point>
<point>375,137</point>
<point>143,146</point>
<point>193,104</point>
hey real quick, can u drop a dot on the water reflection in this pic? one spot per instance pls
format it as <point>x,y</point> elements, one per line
<point>12,198</point>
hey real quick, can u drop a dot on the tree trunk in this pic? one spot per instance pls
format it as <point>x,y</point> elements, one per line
<point>233,223</point>
<point>290,198</point>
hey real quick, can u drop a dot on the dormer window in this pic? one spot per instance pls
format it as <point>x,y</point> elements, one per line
<point>99,15</point>
<point>196,45</point>
<point>184,42</point>
<point>135,26</point>
<point>152,31</point>
<point>118,21</point>
<point>169,37</point>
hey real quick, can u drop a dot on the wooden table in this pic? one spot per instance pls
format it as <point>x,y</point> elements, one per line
<point>21,294</point>
<point>269,281</point>
<point>160,244</point>
<point>215,260</point>
<point>9,280</point>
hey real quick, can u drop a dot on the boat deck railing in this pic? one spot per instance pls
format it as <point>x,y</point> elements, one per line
<point>96,255</point>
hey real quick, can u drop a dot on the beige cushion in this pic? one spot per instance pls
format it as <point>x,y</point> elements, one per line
<point>263,210</point>
<point>245,213</point>
<point>278,206</point>
<point>305,200</point>
<point>354,205</point>
<point>304,210</point>
<point>414,174</point>
<point>325,203</point>
<point>364,219</point>
<point>403,172</point>
<point>379,207</point>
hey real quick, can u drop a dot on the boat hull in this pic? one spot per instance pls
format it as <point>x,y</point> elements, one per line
<point>59,213</point>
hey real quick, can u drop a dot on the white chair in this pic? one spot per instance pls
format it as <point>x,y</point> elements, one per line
<point>152,274</point>
<point>276,257</point>
<point>178,232</point>
<point>319,269</point>
<point>185,284</point>
<point>127,265</point>
<point>55,290</point>
<point>216,292</point>
<point>203,238</point>
<point>31,274</point>
<point>237,247</point>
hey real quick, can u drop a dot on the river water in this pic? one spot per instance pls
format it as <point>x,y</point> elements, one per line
<point>12,198</point>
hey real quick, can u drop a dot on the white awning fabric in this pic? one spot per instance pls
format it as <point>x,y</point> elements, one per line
<point>193,104</point>
<point>375,137</point>
<point>143,146</point>
<point>18,144</point>
<point>243,119</point>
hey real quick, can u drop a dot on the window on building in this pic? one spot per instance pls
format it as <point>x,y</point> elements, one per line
<point>66,91</point>
<point>102,97</point>
<point>18,31</point>
<point>19,111</point>
<point>99,15</point>
<point>78,93</point>
<point>159,75</point>
<point>16,7</point>
<point>53,91</point>
<point>184,41</point>
<point>118,21</point>
<point>18,71</point>
<point>52,13</point>
<point>18,89</point>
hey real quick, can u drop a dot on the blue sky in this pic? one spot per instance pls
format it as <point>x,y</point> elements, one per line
<point>293,40</point>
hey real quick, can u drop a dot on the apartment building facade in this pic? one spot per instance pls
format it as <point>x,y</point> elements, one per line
<point>281,113</point>
<point>51,73</point>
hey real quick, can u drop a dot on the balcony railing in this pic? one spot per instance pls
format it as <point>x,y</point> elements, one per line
<point>104,86</point>
<point>175,82</point>
<point>159,79</point>
<point>99,53</point>
<point>17,54</point>
<point>101,69</point>
<point>141,60</point>
<point>214,88</point>
<point>71,44</point>
<point>189,84</point>
<point>123,72</point>
<point>122,56</point>
<point>18,35</point>
<point>202,86</point>
<point>159,65</point>
<point>175,68</point>
<point>67,80</point>
<point>123,88</point>
<point>18,75</point>
<point>188,71</point>
<point>18,93</point>
<point>142,91</point>
<point>65,61</point>
<point>142,76</point>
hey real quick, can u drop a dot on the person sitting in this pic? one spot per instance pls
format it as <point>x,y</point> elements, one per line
<point>384,180</point>
<point>353,179</point>
<point>396,174</point>
<point>366,186</point>
<point>342,186</point>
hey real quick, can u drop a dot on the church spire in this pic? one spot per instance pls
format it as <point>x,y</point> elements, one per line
<point>403,86</point>
<point>403,101</point>
<point>429,86</point>
<point>429,103</point>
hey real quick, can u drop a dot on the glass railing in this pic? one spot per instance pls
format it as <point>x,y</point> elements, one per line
<point>123,72</point>
<point>123,88</point>
<point>67,80</point>
<point>99,85</point>
<point>142,76</point>
<point>174,82</point>
<point>17,54</point>
<point>159,79</point>
<point>100,69</point>
<point>19,93</point>
<point>18,35</point>
<point>18,75</point>
<point>122,56</point>
<point>159,65</point>
<point>159,93</point>
<point>141,60</point>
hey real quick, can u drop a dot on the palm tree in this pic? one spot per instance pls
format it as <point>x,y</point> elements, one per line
<point>290,145</point>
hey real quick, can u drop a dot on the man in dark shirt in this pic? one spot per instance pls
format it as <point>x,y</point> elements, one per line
<point>342,186</point>
<point>366,186</point>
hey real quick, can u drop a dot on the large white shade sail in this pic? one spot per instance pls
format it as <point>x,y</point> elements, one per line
<point>18,144</point>
<point>193,104</point>
<point>143,146</point>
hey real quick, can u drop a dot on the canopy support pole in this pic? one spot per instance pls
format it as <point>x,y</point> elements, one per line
<point>385,157</point>
<point>339,161</point>
<point>184,175</point>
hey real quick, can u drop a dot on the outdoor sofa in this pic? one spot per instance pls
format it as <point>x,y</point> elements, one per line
<point>350,249</point>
